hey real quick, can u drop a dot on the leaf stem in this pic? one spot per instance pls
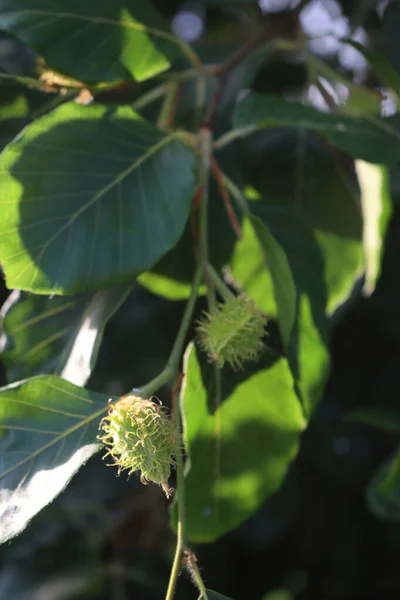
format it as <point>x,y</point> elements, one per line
<point>205,151</point>
<point>199,581</point>
<point>269,31</point>
<point>237,194</point>
<point>171,100</point>
<point>171,368</point>
<point>203,182</point>
<point>180,495</point>
<point>234,134</point>
<point>221,286</point>
<point>150,96</point>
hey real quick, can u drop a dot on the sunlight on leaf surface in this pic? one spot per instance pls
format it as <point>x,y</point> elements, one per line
<point>93,41</point>
<point>55,335</point>
<point>241,431</point>
<point>75,178</point>
<point>48,430</point>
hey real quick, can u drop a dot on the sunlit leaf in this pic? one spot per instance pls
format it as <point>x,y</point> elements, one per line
<point>56,335</point>
<point>238,427</point>
<point>388,75</point>
<point>306,343</point>
<point>84,203</point>
<point>377,209</point>
<point>48,430</point>
<point>276,261</point>
<point>93,41</point>
<point>315,216</point>
<point>172,276</point>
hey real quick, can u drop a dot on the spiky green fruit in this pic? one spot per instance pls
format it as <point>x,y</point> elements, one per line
<point>233,332</point>
<point>140,436</point>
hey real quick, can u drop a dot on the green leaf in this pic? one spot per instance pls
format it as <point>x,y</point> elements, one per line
<point>85,202</point>
<point>385,420</point>
<point>293,172</point>
<point>361,102</point>
<point>388,76</point>
<point>371,139</point>
<point>48,430</point>
<point>9,129</point>
<point>383,492</point>
<point>172,277</point>
<point>302,192</point>
<point>214,596</point>
<point>18,105</point>
<point>377,210</point>
<point>93,41</point>
<point>15,104</point>
<point>283,285</point>
<point>56,335</point>
<point>306,340</point>
<point>241,430</point>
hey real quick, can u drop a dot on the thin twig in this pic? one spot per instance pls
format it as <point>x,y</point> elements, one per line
<point>220,285</point>
<point>180,497</point>
<point>285,26</point>
<point>172,367</point>
<point>193,218</point>
<point>170,104</point>
<point>219,178</point>
<point>223,70</point>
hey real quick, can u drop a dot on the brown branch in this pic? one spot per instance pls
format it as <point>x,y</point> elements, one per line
<point>219,178</point>
<point>223,70</point>
<point>284,25</point>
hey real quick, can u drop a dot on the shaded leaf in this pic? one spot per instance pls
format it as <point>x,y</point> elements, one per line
<point>304,195</point>
<point>93,41</point>
<point>238,427</point>
<point>172,277</point>
<point>382,68</point>
<point>385,420</point>
<point>13,103</point>
<point>18,105</point>
<point>293,171</point>
<point>371,139</point>
<point>84,199</point>
<point>383,492</point>
<point>48,430</point>
<point>377,210</point>
<point>56,335</point>
<point>283,285</point>
<point>9,129</point>
<point>306,340</point>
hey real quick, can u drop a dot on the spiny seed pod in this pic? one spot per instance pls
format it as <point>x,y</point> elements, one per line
<point>141,437</point>
<point>233,332</point>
